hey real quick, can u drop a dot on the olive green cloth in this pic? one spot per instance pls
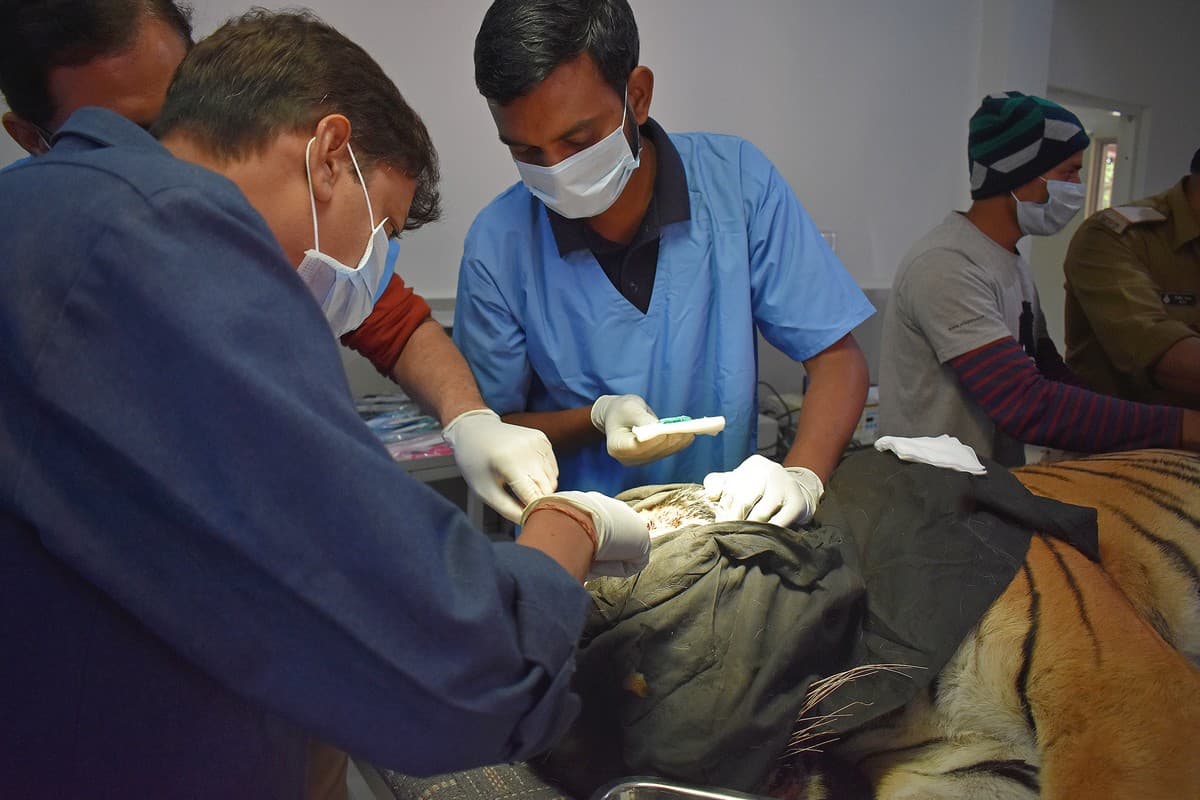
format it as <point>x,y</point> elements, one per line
<point>697,668</point>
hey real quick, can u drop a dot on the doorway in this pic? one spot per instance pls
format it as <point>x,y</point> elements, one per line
<point>1109,170</point>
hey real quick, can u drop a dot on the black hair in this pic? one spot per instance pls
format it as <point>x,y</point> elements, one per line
<point>522,41</point>
<point>37,36</point>
<point>1196,163</point>
<point>266,73</point>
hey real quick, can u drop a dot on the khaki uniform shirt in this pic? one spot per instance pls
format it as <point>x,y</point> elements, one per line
<point>1133,291</point>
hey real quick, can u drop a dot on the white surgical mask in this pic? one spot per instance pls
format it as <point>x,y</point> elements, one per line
<point>1050,217</point>
<point>346,294</point>
<point>589,182</point>
<point>45,136</point>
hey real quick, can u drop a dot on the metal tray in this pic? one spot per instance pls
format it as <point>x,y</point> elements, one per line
<point>639,788</point>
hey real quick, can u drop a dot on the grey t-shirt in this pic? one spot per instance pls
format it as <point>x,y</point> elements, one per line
<point>956,290</point>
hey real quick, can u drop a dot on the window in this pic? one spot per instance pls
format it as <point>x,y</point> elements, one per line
<point>1102,168</point>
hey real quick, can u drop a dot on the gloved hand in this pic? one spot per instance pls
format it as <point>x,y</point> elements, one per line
<point>614,415</point>
<point>621,537</point>
<point>760,490</point>
<point>492,454</point>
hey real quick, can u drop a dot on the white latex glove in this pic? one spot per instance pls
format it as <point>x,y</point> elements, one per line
<point>615,415</point>
<point>621,537</point>
<point>492,454</point>
<point>760,490</point>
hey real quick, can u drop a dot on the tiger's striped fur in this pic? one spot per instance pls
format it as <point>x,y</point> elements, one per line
<point>1075,683</point>
<point>1148,508</point>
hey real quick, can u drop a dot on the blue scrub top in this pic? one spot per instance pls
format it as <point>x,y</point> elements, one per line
<point>205,556</point>
<point>545,331</point>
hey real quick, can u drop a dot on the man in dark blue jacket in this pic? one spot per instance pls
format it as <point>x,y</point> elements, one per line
<point>205,558</point>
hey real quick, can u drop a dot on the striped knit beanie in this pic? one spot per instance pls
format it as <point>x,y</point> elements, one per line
<point>1017,137</point>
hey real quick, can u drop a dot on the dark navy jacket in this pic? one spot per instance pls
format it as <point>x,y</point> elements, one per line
<point>205,556</point>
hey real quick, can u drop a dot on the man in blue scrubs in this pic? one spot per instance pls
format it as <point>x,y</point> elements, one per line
<point>206,559</point>
<point>59,55</point>
<point>625,277</point>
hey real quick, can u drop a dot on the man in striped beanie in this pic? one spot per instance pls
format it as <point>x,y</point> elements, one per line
<point>965,346</point>
<point>1015,139</point>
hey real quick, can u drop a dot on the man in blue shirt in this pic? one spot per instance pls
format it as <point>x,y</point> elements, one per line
<point>205,556</point>
<point>625,277</point>
<point>60,55</point>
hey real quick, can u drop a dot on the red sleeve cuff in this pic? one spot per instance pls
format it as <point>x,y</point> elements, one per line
<point>383,334</point>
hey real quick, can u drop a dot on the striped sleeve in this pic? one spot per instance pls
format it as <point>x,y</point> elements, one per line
<point>1023,403</point>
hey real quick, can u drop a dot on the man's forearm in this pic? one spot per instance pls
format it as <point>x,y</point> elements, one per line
<point>833,405</point>
<point>434,373</point>
<point>562,538</point>
<point>1006,385</point>
<point>567,430</point>
<point>1179,368</point>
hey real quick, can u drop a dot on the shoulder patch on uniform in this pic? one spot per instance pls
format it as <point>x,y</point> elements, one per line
<point>1110,219</point>
<point>1118,218</point>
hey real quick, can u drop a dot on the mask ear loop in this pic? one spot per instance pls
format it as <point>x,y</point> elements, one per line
<point>44,135</point>
<point>312,199</point>
<point>1018,200</point>
<point>637,151</point>
<point>1032,202</point>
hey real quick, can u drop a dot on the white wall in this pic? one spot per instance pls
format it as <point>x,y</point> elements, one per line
<point>9,151</point>
<point>1014,46</point>
<point>861,103</point>
<point>1143,55</point>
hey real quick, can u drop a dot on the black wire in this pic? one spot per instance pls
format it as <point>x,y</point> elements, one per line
<point>787,412</point>
<point>785,432</point>
<point>778,396</point>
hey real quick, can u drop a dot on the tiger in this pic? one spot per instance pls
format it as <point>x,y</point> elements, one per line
<point>1079,682</point>
<point>1082,680</point>
<point>1148,512</point>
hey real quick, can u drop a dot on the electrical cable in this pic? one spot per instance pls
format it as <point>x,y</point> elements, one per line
<point>787,428</point>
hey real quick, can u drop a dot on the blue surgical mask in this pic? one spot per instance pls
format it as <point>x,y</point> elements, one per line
<point>589,182</point>
<point>346,294</point>
<point>1050,217</point>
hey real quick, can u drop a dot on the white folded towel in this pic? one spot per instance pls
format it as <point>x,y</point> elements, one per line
<point>942,451</point>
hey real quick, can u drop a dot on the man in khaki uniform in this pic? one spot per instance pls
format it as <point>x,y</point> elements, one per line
<point>1133,297</point>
